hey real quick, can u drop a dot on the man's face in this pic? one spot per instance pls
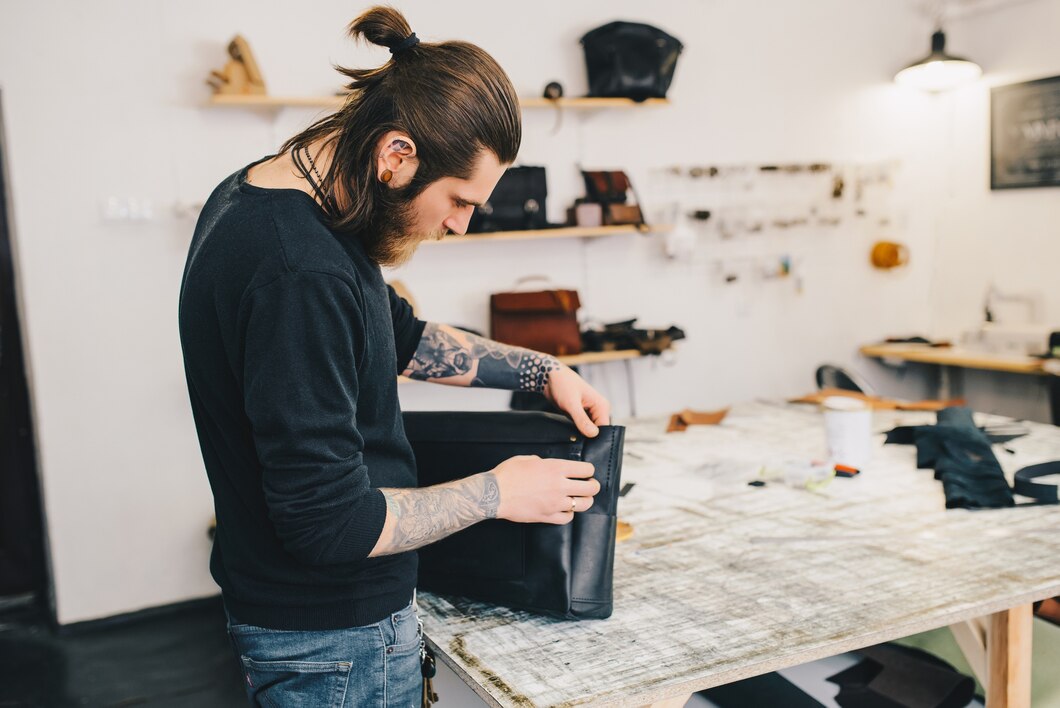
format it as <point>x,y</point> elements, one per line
<point>443,206</point>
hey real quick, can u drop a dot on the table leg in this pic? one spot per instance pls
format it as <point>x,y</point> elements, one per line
<point>1008,656</point>
<point>971,638</point>
<point>945,387</point>
<point>678,702</point>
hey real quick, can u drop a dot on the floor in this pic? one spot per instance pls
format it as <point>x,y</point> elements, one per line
<point>182,658</point>
<point>179,659</point>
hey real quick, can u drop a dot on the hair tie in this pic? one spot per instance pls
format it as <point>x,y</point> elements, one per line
<point>408,43</point>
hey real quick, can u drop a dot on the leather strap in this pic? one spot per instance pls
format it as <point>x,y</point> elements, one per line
<point>1025,485</point>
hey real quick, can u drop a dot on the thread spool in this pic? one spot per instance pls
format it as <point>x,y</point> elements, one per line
<point>889,254</point>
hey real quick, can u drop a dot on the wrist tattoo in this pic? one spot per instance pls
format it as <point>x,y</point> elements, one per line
<point>534,371</point>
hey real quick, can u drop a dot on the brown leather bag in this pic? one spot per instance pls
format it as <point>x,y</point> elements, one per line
<point>609,189</point>
<point>544,320</point>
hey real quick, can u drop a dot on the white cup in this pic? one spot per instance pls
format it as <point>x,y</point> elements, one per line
<point>848,431</point>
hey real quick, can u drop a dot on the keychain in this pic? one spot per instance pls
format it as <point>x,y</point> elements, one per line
<point>428,668</point>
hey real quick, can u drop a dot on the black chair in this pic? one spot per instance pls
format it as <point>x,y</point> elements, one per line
<point>832,376</point>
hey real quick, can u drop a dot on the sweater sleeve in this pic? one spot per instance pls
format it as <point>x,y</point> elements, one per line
<point>407,329</point>
<point>304,336</point>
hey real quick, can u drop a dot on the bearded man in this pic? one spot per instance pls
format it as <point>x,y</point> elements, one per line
<point>292,346</point>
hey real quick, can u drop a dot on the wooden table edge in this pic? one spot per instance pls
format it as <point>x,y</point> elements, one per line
<point>691,686</point>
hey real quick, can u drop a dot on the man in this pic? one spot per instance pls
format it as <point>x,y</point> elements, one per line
<point>292,345</point>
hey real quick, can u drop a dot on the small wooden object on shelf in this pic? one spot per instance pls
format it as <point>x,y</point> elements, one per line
<point>240,76</point>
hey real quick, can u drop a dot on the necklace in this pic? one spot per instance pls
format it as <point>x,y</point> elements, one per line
<point>325,200</point>
<point>312,165</point>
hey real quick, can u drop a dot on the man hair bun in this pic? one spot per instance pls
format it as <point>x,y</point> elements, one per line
<point>382,25</point>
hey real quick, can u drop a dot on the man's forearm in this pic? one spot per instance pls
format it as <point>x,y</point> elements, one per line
<point>417,517</point>
<point>451,356</point>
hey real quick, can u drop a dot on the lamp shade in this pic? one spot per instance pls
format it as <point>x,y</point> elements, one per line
<point>939,71</point>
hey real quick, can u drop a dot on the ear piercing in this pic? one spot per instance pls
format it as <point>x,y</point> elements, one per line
<point>395,146</point>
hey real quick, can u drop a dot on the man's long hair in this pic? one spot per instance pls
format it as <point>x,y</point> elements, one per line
<point>451,98</point>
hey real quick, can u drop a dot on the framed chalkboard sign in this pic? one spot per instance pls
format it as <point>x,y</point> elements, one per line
<point>1025,134</point>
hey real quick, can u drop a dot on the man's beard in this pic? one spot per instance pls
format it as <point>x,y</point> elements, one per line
<point>391,239</point>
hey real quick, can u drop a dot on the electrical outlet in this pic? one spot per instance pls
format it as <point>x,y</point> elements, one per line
<point>127,209</point>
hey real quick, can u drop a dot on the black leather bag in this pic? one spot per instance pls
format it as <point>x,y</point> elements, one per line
<point>562,571</point>
<point>630,60</point>
<point>517,203</point>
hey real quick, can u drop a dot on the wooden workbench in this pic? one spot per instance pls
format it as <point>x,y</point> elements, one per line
<point>951,360</point>
<point>955,356</point>
<point>723,581</point>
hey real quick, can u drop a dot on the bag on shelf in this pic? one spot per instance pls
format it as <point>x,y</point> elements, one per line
<point>623,335</point>
<point>542,320</point>
<point>564,571</point>
<point>517,203</point>
<point>610,190</point>
<point>630,60</point>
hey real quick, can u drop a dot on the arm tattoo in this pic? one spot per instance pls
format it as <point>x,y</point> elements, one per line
<point>423,516</point>
<point>446,352</point>
<point>438,355</point>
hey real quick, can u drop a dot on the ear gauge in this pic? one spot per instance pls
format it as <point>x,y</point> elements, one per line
<point>386,176</point>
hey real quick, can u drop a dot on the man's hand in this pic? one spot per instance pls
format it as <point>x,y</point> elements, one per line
<point>572,395</point>
<point>544,490</point>
<point>525,489</point>
<point>450,356</point>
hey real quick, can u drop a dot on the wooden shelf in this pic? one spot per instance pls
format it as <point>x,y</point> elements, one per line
<point>259,101</point>
<point>334,102</point>
<point>562,232</point>
<point>587,102</point>
<point>600,357</point>
<point>955,356</point>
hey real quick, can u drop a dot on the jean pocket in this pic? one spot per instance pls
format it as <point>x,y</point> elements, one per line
<point>295,683</point>
<point>401,632</point>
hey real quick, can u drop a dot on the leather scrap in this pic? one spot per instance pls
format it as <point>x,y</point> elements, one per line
<point>679,422</point>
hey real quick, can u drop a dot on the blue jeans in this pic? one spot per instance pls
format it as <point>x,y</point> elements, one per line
<point>374,665</point>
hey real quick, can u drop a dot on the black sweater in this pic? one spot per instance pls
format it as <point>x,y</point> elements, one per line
<point>292,345</point>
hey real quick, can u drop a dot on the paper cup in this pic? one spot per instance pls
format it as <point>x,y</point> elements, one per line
<point>848,431</point>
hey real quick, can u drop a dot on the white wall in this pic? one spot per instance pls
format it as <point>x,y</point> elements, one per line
<point>106,98</point>
<point>1008,237</point>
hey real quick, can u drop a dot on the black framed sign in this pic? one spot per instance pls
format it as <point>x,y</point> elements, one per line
<point>1025,134</point>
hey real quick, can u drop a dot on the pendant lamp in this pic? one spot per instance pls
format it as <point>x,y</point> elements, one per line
<point>939,71</point>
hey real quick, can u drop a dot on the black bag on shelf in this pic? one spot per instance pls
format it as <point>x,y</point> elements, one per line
<point>517,203</point>
<point>630,60</point>
<point>563,571</point>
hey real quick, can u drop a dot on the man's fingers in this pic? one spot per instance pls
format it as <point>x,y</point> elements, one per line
<point>581,420</point>
<point>579,488</point>
<point>571,468</point>
<point>600,410</point>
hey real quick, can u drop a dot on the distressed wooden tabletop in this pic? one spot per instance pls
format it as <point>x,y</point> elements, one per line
<point>722,580</point>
